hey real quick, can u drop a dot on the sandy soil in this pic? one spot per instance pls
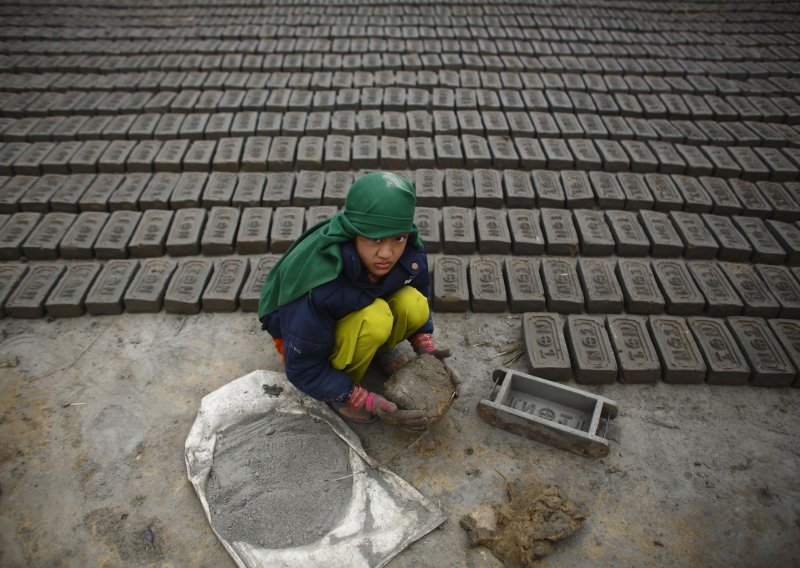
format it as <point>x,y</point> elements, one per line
<point>94,414</point>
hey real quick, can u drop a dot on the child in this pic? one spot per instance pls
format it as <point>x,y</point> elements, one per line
<point>349,288</point>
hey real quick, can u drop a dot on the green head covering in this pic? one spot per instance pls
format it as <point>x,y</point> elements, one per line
<point>378,205</point>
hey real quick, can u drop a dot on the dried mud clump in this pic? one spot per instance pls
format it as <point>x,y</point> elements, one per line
<point>422,384</point>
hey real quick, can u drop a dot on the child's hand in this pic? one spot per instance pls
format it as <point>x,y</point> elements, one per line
<point>424,343</point>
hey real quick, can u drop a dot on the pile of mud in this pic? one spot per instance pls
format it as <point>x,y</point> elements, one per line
<point>422,384</point>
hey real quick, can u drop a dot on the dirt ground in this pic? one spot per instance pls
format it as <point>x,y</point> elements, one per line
<point>95,412</point>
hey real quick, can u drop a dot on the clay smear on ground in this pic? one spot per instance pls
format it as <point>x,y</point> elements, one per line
<point>525,528</point>
<point>268,485</point>
<point>422,384</point>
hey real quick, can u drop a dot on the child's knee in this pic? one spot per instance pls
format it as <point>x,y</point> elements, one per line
<point>410,302</point>
<point>377,323</point>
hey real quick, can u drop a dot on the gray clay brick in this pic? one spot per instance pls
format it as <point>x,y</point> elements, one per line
<point>680,358</point>
<point>559,231</point>
<point>428,219</point>
<point>145,293</point>
<point>287,226</point>
<point>488,186</point>
<point>430,188</point>
<point>721,298</point>
<point>754,204</point>
<point>253,236</point>
<point>260,268</point>
<point>664,239</point>
<point>68,297</point>
<point>548,188</point>
<point>698,240</point>
<point>186,286</point>
<point>526,232</point>
<point>628,234</point>
<point>787,332</point>
<point>43,241</point>
<point>458,188</point>
<point>546,346</point>
<point>608,190</point>
<point>184,233</point>
<point>81,236</point>
<point>493,232</point>
<point>14,232</point>
<point>37,198</point>
<point>757,299</point>
<point>680,292</point>
<point>519,190</point>
<point>600,287</point>
<point>665,194</point>
<point>458,230</point>
<point>637,359</point>
<point>28,298</point>
<point>769,364</point>
<point>732,244</point>
<point>788,236</point>
<point>639,287</point>
<point>525,288</point>
<point>219,234</point>
<point>10,277</point>
<point>695,197</point>
<point>595,236</point>
<point>765,248</point>
<point>227,278</point>
<point>637,194</point>
<point>450,284</point>
<point>150,236</point>
<point>12,192</point>
<point>577,189</point>
<point>593,360</point>
<point>487,286</point>
<point>562,285</point>
<point>782,284</point>
<point>112,242</point>
<point>219,189</point>
<point>725,363</point>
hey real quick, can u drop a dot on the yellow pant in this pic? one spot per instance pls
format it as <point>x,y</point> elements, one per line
<point>378,327</point>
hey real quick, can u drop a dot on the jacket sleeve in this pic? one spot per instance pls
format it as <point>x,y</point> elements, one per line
<point>308,341</point>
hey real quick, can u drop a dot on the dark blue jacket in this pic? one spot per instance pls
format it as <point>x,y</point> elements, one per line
<point>308,323</point>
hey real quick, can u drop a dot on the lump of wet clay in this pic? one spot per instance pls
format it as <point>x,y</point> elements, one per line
<point>422,384</point>
<point>524,529</point>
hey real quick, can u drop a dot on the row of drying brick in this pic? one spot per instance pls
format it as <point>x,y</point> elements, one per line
<point>94,232</point>
<point>573,189</point>
<point>561,285</point>
<point>637,349</point>
<point>339,153</point>
<point>170,124</point>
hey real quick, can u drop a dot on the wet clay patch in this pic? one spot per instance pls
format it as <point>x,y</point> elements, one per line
<point>525,528</point>
<point>422,384</point>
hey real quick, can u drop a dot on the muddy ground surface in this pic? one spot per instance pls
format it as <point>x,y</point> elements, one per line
<point>95,412</point>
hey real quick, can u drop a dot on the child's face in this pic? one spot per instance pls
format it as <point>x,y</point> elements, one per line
<point>380,255</point>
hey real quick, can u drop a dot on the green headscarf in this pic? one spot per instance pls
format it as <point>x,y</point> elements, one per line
<point>378,205</point>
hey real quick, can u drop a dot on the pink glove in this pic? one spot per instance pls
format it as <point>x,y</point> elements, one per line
<point>423,343</point>
<point>371,402</point>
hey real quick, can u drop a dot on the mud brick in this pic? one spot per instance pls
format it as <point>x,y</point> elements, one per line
<point>115,157</point>
<point>787,332</point>
<point>279,189</point>
<point>269,124</point>
<point>722,162</point>
<point>458,230</point>
<point>493,232</point>
<point>681,293</point>
<point>282,154</point>
<point>593,359</point>
<point>337,152</point>
<point>476,151</point>
<point>255,154</point>
<point>765,248</point>
<point>105,296</point>
<point>637,194</point>
<point>420,123</point>
<point>318,213</point>
<point>520,125</point>
<point>150,236</point>
<point>157,193</point>
<point>309,152</point>
<point>732,244</point>
<point>756,297</point>
<point>13,191</point>
<point>557,154</point>
<point>394,155</point>
<point>503,153</point>
<point>260,268</point>
<point>219,189</point>
<point>586,155</point>
<point>68,194</point>
<point>28,298</point>
<point>10,277</point>
<point>8,154</point>
<point>577,189</point>
<point>187,285</point>
<point>695,197</point>
<point>336,187</point>
<point>98,194</point>
<point>318,124</point>
<point>170,158</point>
<point>560,277</point>
<point>430,188</point>
<point>93,128</point>
<point>365,152</point>
<point>188,190</point>
<point>613,157</point>
<point>769,364</point>
<point>37,198</point>
<point>723,198</point>
<point>193,126</point>
<point>519,190</point>
<point>448,151</point>
<point>696,162</point>
<point>788,236</point>
<point>57,161</point>
<point>143,128</point>
<point>67,298</point>
<point>665,194</point>
<point>219,234</point>
<point>636,355</point>
<point>642,160</point>
<point>458,187</point>
<point>227,155</point>
<point>222,291</point>
<point>42,242</point>
<point>639,287</point>
<point>595,236</point>
<point>450,284</point>
<point>785,208</point>
<point>784,287</point>
<point>628,234</point>
<point>752,167</point>
<point>779,166</point>
<point>530,152</point>
<point>546,346</point>
<point>489,188</point>
<point>608,191</point>
<point>526,232</point>
<point>168,127</point>
<point>81,236</point>
<point>142,158</point>
<point>725,363</point>
<point>698,240</point>
<point>85,159</point>
<point>680,358</point>
<point>69,128</point>
<point>754,204</point>
<point>249,189</point>
<point>294,124</point>
<point>287,226</point>
<point>487,285</point>
<point>495,123</point>
<point>184,233</point>
<point>721,299</point>
<point>559,231</point>
<point>421,153</point>
<point>309,189</point>
<point>428,221</point>
<point>29,163</point>
<point>600,287</point>
<point>148,286</point>
<point>525,289</point>
<point>445,122</point>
